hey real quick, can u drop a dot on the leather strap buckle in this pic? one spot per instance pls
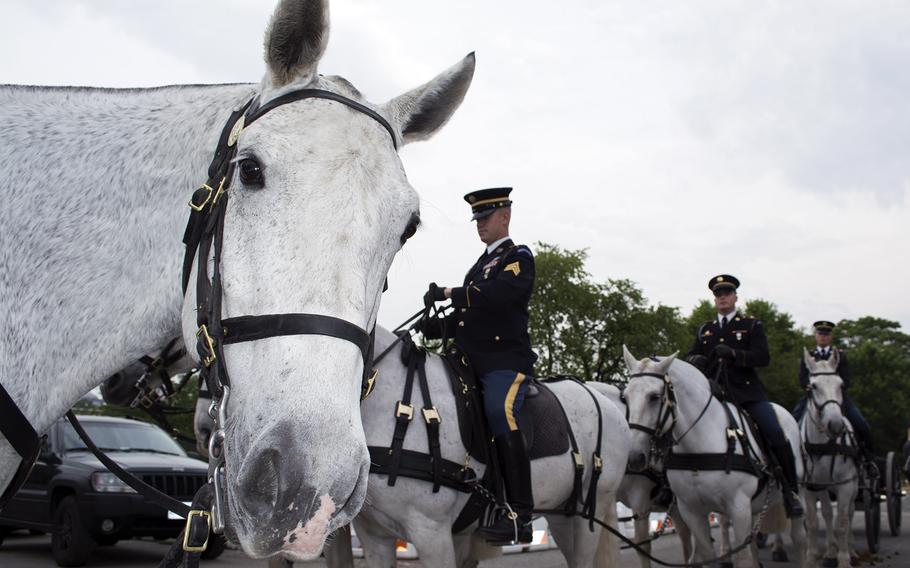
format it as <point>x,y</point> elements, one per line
<point>208,197</point>
<point>370,385</point>
<point>203,335</point>
<point>191,536</point>
<point>598,463</point>
<point>579,460</point>
<point>430,414</point>
<point>404,409</point>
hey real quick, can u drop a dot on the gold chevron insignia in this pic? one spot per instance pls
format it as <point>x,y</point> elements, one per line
<point>514,268</point>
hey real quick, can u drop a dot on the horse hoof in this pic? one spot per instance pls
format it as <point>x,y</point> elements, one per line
<point>779,555</point>
<point>829,562</point>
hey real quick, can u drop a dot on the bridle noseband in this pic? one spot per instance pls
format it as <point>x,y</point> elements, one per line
<point>203,239</point>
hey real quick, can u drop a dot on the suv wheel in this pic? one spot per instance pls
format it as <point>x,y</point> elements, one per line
<point>71,543</point>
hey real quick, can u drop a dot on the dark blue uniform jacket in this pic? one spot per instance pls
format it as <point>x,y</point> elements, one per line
<point>490,322</point>
<point>747,338</point>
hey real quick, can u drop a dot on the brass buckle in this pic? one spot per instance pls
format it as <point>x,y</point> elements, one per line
<point>406,409</point>
<point>203,333</point>
<point>579,460</point>
<point>205,201</point>
<point>598,463</point>
<point>186,530</point>
<point>430,414</point>
<point>371,384</point>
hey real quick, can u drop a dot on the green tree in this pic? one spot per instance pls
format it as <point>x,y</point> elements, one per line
<point>579,326</point>
<point>879,356</point>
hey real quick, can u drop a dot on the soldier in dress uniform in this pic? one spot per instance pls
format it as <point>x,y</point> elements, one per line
<point>823,351</point>
<point>490,325</point>
<point>739,344</point>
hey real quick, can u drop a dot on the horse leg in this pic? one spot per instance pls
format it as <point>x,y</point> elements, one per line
<point>682,530</point>
<point>607,554</point>
<point>701,532</point>
<point>563,530</point>
<point>778,553</point>
<point>433,541</point>
<point>740,515</point>
<point>723,520</point>
<point>845,497</point>
<point>830,540</point>
<point>810,499</point>
<point>798,536</point>
<point>584,547</point>
<point>338,553</point>
<point>378,544</point>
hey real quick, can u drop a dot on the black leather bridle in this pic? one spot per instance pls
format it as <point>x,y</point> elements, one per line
<point>819,408</point>
<point>203,239</point>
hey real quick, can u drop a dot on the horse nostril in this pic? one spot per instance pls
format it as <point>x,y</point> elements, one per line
<point>260,482</point>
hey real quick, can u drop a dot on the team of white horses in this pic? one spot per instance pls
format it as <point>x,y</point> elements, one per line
<point>94,202</point>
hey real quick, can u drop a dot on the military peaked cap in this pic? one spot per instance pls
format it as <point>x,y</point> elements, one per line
<point>723,281</point>
<point>484,201</point>
<point>824,327</point>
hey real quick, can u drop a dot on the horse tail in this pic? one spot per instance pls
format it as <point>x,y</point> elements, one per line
<point>608,545</point>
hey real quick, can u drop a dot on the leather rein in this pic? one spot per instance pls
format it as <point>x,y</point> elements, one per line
<point>203,239</point>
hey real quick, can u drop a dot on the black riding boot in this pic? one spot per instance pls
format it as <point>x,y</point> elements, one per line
<point>516,473</point>
<point>789,483</point>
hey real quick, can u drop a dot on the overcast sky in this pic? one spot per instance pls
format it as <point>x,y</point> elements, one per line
<point>674,141</point>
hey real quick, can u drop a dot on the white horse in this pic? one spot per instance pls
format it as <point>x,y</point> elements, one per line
<point>678,391</point>
<point>410,510</point>
<point>635,492</point>
<point>94,193</point>
<point>824,423</point>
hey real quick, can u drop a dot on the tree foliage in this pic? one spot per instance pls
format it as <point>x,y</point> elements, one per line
<point>578,327</point>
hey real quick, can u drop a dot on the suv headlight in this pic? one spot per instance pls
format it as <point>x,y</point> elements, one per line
<point>107,482</point>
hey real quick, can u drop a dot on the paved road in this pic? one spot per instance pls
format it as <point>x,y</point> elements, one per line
<point>22,551</point>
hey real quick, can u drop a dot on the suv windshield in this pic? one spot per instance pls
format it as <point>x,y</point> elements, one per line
<point>119,437</point>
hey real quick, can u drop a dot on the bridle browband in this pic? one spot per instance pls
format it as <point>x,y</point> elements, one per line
<point>203,239</point>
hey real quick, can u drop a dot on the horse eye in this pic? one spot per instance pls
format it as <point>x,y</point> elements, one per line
<point>410,229</point>
<point>653,397</point>
<point>251,173</point>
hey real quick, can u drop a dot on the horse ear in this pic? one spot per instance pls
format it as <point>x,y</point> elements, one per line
<point>631,362</point>
<point>295,40</point>
<point>665,363</point>
<point>419,113</point>
<point>808,360</point>
<point>834,361</point>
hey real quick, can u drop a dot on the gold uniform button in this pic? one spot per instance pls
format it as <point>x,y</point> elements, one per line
<point>463,310</point>
<point>461,324</point>
<point>721,339</point>
<point>497,338</point>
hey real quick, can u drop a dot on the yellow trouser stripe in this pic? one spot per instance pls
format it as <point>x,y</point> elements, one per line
<point>510,400</point>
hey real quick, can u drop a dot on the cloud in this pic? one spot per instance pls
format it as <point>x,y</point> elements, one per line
<point>673,141</point>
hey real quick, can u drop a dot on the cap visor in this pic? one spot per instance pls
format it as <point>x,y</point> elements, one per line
<point>482,214</point>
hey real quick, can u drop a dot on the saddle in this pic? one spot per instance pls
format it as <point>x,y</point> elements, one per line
<point>544,424</point>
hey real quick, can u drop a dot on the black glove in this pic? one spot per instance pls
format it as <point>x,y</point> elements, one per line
<point>724,352</point>
<point>700,362</point>
<point>434,294</point>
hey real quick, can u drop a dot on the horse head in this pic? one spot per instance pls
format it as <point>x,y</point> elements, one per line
<point>650,405</point>
<point>826,394</point>
<point>319,204</point>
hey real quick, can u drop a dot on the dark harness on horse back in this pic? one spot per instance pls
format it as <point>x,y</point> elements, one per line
<point>662,441</point>
<point>203,239</point>
<point>486,496</point>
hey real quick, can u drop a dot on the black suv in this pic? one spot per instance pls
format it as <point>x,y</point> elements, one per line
<point>71,495</point>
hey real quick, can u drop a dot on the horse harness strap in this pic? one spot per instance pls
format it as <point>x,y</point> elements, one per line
<point>20,434</point>
<point>203,238</point>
